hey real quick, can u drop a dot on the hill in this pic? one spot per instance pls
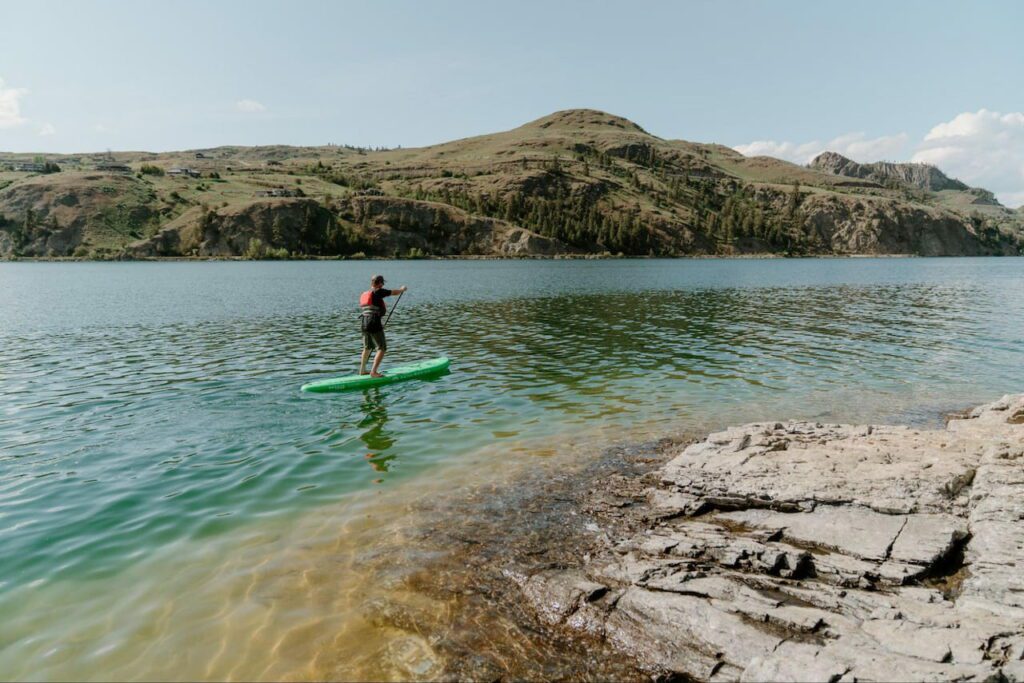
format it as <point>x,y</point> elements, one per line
<point>575,182</point>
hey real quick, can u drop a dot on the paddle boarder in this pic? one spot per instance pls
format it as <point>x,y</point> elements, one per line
<point>371,314</point>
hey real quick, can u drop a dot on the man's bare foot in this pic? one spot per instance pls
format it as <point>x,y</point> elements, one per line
<point>376,374</point>
<point>363,372</point>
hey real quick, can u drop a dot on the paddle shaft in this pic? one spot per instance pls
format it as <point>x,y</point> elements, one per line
<point>392,310</point>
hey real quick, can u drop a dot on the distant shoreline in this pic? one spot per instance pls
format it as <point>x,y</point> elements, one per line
<point>532,257</point>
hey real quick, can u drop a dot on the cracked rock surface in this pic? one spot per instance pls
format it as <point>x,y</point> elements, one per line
<point>806,551</point>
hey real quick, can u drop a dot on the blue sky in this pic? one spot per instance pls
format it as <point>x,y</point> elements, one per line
<point>873,79</point>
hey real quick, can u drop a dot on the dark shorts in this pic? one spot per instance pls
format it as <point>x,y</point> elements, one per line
<point>375,340</point>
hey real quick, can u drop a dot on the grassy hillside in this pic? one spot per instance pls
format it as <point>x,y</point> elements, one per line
<point>577,181</point>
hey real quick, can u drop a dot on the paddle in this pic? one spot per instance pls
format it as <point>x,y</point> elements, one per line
<point>392,310</point>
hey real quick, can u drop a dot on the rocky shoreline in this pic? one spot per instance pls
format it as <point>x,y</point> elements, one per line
<point>806,551</point>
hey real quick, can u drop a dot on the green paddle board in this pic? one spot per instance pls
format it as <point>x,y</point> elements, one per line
<point>427,368</point>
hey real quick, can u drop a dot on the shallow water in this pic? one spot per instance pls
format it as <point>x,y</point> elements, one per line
<point>172,507</point>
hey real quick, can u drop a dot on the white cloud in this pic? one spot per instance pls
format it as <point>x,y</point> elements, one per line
<point>798,153</point>
<point>980,123</point>
<point>1011,199</point>
<point>100,128</point>
<point>46,129</point>
<point>860,148</point>
<point>983,149</point>
<point>856,146</point>
<point>250,106</point>
<point>10,106</point>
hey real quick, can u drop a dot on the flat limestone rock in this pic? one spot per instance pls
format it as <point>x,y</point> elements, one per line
<point>794,661</point>
<point>670,619</point>
<point>862,532</point>
<point>925,539</point>
<point>889,469</point>
<point>852,530</point>
<point>810,552</point>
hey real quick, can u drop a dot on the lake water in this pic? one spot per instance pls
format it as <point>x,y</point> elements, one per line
<point>172,507</point>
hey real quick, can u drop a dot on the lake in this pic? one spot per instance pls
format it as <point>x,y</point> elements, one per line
<point>172,507</point>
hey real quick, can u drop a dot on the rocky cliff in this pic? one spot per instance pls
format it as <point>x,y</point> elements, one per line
<point>298,226</point>
<point>839,225</point>
<point>373,225</point>
<point>62,214</point>
<point>920,176</point>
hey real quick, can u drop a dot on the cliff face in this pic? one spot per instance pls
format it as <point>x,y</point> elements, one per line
<point>294,225</point>
<point>57,214</point>
<point>389,225</point>
<point>920,176</point>
<point>577,181</point>
<point>376,226</point>
<point>842,226</point>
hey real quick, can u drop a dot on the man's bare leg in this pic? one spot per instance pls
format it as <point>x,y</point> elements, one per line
<point>376,364</point>
<point>362,361</point>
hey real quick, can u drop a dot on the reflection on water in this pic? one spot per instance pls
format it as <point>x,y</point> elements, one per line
<point>376,438</point>
<point>158,464</point>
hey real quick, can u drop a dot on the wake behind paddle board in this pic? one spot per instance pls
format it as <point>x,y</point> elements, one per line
<point>427,368</point>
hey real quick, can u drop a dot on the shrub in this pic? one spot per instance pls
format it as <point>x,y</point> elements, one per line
<point>148,169</point>
<point>254,249</point>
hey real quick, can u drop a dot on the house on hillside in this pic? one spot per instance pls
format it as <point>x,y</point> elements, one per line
<point>200,155</point>
<point>184,172</point>
<point>30,167</point>
<point>277,192</point>
<point>108,167</point>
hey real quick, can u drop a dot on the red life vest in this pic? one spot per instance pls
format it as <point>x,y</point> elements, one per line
<point>366,299</point>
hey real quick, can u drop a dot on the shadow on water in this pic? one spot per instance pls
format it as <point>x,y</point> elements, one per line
<point>377,439</point>
<point>375,418</point>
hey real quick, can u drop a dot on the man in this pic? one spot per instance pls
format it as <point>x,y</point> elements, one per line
<point>371,311</point>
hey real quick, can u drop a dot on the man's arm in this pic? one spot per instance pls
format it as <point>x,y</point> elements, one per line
<point>398,290</point>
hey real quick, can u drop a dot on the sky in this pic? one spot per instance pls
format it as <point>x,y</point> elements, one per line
<point>937,82</point>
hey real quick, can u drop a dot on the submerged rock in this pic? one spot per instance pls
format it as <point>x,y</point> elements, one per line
<point>804,551</point>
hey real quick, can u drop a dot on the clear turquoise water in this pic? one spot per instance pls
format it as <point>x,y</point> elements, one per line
<point>146,407</point>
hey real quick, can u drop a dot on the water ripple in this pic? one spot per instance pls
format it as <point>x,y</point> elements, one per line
<point>147,405</point>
